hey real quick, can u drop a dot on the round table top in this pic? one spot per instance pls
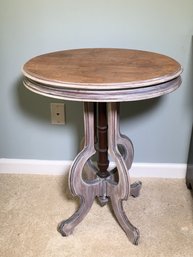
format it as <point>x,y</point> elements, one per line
<point>88,74</point>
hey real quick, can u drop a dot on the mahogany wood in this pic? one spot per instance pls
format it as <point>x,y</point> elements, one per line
<point>103,162</point>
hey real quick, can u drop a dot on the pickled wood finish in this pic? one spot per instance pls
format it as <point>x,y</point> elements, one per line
<point>118,95</point>
<point>116,188</point>
<point>121,190</point>
<point>101,78</point>
<point>78,187</point>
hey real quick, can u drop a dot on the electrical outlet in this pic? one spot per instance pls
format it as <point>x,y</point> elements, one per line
<point>57,113</point>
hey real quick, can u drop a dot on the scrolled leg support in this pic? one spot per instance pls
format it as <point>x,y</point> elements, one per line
<point>86,191</point>
<point>107,186</point>
<point>121,190</point>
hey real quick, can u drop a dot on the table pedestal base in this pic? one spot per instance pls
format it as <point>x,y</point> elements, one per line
<point>113,185</point>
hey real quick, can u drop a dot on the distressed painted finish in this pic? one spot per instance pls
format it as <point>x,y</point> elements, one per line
<point>101,78</point>
<point>113,187</point>
<point>119,95</point>
<point>86,191</point>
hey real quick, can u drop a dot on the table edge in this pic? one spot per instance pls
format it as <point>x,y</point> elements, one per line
<point>106,86</point>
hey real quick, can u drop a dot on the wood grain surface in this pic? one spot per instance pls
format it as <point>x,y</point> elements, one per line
<point>101,68</point>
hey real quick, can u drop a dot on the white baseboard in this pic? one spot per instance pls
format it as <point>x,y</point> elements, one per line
<point>44,167</point>
<point>27,166</point>
<point>158,170</point>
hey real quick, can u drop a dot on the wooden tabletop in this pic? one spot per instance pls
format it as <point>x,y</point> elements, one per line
<point>102,67</point>
<point>102,75</point>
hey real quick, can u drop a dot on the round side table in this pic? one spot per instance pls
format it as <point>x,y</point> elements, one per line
<point>102,78</point>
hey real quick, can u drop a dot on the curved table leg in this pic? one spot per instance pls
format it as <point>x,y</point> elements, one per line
<point>89,167</point>
<point>124,144</point>
<point>85,190</point>
<point>104,188</point>
<point>120,191</point>
<point>126,149</point>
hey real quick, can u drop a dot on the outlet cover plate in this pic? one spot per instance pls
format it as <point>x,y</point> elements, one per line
<point>57,113</point>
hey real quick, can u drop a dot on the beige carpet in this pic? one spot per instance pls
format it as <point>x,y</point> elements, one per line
<point>32,206</point>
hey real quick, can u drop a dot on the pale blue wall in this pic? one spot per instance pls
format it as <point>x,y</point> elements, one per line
<point>160,129</point>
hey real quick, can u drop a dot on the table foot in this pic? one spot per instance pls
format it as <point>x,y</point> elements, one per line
<point>103,200</point>
<point>135,188</point>
<point>131,231</point>
<point>66,227</point>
